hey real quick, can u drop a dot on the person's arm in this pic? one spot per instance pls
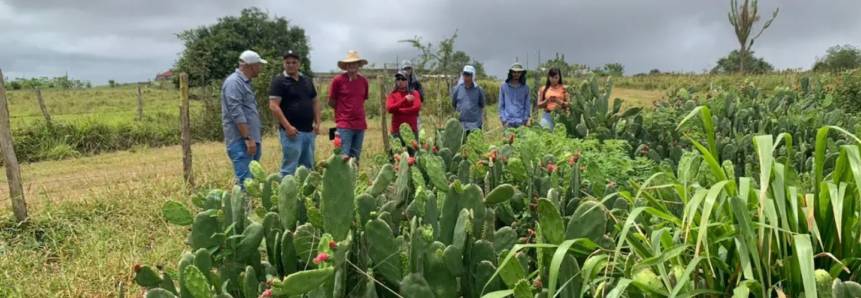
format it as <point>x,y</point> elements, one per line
<point>542,102</point>
<point>528,104</point>
<point>454,97</point>
<point>233,100</point>
<point>333,92</point>
<point>421,90</point>
<point>366,89</point>
<point>481,101</point>
<point>276,95</point>
<point>317,109</point>
<point>415,107</point>
<point>502,115</point>
<point>392,103</point>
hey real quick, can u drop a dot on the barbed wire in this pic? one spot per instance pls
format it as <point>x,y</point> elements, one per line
<point>97,113</point>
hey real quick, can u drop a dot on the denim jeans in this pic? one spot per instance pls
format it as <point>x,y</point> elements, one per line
<point>547,121</point>
<point>296,151</point>
<point>351,142</point>
<point>238,153</point>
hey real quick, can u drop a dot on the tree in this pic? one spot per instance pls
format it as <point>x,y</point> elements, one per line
<point>440,60</point>
<point>614,69</point>
<point>733,63</point>
<point>212,52</point>
<point>460,59</point>
<point>742,19</point>
<point>839,57</point>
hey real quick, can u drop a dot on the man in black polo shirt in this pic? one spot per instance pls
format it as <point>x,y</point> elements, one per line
<point>293,101</point>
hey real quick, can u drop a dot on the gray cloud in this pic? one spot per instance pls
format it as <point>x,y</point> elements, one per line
<point>133,40</point>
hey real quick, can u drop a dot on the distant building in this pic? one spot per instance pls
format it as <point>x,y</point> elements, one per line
<point>165,76</point>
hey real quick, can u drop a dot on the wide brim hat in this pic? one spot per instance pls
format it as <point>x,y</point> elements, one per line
<point>516,67</point>
<point>352,56</point>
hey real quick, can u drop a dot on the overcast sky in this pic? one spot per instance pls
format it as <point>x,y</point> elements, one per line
<point>132,40</point>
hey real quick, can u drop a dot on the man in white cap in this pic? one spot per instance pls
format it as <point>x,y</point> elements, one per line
<point>414,84</point>
<point>467,97</point>
<point>240,118</point>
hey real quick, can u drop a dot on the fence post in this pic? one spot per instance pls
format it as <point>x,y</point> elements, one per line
<point>10,161</point>
<point>42,105</point>
<point>140,104</point>
<point>185,128</point>
<point>383,121</point>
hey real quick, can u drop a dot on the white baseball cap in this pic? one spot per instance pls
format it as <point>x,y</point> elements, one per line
<point>251,57</point>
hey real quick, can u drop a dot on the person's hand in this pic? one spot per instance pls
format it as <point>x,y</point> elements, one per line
<point>252,147</point>
<point>410,97</point>
<point>316,128</point>
<point>291,132</point>
<point>504,124</point>
<point>526,123</point>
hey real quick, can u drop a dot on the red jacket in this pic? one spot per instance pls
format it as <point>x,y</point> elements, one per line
<point>402,110</point>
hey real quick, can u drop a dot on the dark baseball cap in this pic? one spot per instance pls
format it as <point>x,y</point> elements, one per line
<point>291,54</point>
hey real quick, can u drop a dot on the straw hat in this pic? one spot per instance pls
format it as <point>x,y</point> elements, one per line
<point>352,56</point>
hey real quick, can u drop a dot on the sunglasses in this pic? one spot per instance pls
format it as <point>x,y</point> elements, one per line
<point>467,74</point>
<point>401,78</point>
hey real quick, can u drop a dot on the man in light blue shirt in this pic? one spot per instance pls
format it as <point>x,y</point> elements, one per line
<point>240,118</point>
<point>467,97</point>
<point>514,105</point>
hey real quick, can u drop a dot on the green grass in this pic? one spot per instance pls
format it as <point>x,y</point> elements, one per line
<point>93,217</point>
<point>108,105</point>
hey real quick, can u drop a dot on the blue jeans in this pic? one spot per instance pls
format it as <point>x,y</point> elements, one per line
<point>351,142</point>
<point>547,121</point>
<point>238,153</point>
<point>296,151</point>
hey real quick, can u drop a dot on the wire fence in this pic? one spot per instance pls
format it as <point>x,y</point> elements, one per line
<point>41,186</point>
<point>101,113</point>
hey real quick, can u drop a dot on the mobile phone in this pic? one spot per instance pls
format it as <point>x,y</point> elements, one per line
<point>332,133</point>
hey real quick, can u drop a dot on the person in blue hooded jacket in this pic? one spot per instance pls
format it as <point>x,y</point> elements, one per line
<point>467,98</point>
<point>514,105</point>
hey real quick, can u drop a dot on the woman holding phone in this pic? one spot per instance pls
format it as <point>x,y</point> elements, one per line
<point>552,96</point>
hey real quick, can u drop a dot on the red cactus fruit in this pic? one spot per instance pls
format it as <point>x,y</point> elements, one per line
<point>137,267</point>
<point>337,142</point>
<point>415,145</point>
<point>531,232</point>
<point>538,284</point>
<point>332,244</point>
<point>322,257</point>
<point>434,149</point>
<point>511,139</point>
<point>346,158</point>
<point>411,161</point>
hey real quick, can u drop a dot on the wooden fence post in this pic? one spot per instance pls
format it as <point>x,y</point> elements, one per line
<point>383,121</point>
<point>140,104</point>
<point>42,105</point>
<point>10,161</point>
<point>185,128</point>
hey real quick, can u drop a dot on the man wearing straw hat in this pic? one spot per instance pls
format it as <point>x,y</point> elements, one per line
<point>347,95</point>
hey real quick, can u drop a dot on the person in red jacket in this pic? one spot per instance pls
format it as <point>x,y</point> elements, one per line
<point>404,104</point>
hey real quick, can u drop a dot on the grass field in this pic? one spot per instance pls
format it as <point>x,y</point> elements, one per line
<point>93,217</point>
